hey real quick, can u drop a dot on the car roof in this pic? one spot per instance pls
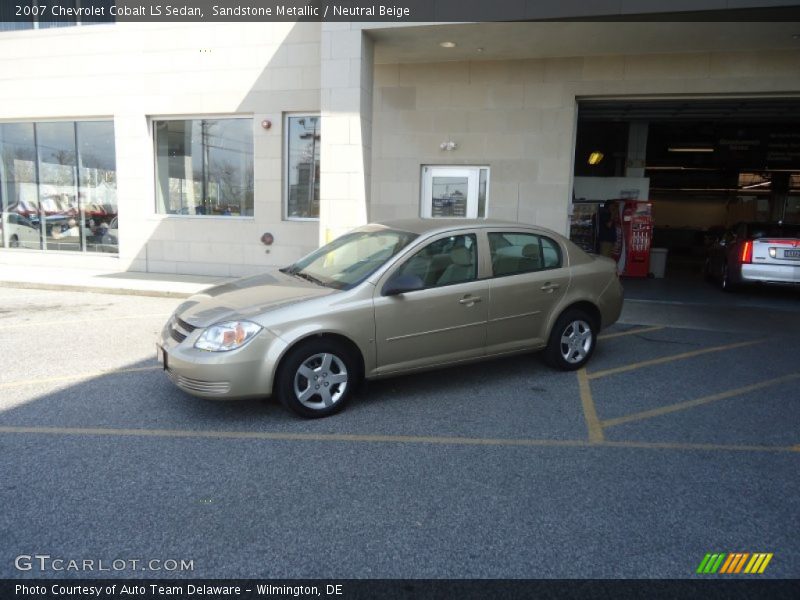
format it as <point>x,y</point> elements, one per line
<point>426,226</point>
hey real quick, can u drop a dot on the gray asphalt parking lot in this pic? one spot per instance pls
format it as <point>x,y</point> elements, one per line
<point>675,442</point>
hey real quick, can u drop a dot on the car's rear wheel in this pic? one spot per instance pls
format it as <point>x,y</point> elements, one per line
<point>317,378</point>
<point>572,341</point>
<point>707,275</point>
<point>725,281</point>
<point>14,241</point>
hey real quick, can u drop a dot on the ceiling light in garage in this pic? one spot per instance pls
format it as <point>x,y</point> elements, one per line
<point>690,149</point>
<point>595,157</point>
<point>447,44</point>
<point>755,185</point>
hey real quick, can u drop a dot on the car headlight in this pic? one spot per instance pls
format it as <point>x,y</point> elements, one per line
<point>227,336</point>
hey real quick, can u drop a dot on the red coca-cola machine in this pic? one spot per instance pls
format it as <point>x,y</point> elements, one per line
<point>637,237</point>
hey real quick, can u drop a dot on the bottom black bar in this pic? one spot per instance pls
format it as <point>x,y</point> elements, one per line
<point>401,589</point>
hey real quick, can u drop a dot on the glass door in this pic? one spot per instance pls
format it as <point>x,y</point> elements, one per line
<point>454,192</point>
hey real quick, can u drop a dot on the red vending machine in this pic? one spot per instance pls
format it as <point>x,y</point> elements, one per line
<point>637,231</point>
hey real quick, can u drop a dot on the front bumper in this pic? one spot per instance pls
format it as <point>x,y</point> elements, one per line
<point>246,372</point>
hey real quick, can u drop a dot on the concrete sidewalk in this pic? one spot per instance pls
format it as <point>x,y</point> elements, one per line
<point>106,281</point>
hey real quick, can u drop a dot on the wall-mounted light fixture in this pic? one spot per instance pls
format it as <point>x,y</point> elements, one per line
<point>448,146</point>
<point>266,123</point>
<point>595,157</point>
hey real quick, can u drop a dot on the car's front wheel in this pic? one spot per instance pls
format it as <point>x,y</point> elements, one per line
<point>317,378</point>
<point>572,341</point>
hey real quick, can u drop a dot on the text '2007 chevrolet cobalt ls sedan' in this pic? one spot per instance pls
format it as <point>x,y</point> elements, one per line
<point>387,299</point>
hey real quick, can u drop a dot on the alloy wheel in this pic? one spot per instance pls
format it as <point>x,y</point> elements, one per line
<point>320,381</point>
<point>576,341</point>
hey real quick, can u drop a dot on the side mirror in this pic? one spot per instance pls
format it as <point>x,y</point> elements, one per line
<point>402,284</point>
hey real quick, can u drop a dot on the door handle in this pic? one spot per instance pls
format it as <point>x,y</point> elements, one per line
<point>469,300</point>
<point>549,287</point>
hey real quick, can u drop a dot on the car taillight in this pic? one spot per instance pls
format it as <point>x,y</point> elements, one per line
<point>747,253</point>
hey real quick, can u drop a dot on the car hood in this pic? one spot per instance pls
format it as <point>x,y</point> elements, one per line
<point>248,298</point>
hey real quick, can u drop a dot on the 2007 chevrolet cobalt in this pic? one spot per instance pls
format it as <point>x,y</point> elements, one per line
<point>391,298</point>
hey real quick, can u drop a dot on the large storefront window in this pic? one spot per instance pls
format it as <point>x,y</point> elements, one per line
<point>204,167</point>
<point>302,166</point>
<point>58,186</point>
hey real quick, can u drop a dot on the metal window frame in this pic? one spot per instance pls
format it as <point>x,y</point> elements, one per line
<point>151,121</point>
<point>43,222</point>
<point>285,165</point>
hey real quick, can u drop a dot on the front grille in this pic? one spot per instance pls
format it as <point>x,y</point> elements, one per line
<point>184,325</point>
<point>212,388</point>
<point>179,329</point>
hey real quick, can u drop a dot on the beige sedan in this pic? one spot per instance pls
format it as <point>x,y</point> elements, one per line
<point>391,298</point>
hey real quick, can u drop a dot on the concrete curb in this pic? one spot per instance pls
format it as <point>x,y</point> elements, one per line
<point>30,285</point>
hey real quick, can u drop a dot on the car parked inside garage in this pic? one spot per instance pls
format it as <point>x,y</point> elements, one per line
<point>749,253</point>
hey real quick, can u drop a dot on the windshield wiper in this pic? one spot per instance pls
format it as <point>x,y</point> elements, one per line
<point>307,277</point>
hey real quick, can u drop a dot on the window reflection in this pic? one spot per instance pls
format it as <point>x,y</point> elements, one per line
<point>303,136</point>
<point>449,197</point>
<point>204,167</point>
<point>58,186</point>
<point>58,196</point>
<point>19,199</point>
<point>98,185</point>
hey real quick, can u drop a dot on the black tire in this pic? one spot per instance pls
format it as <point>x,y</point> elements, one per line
<point>582,329</point>
<point>13,242</point>
<point>298,392</point>
<point>725,282</point>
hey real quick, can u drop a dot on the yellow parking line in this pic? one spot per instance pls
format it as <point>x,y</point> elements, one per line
<point>589,409</point>
<point>664,410</point>
<point>400,439</point>
<point>33,381</point>
<point>693,446</point>
<point>666,359</point>
<point>73,321</point>
<point>608,336</point>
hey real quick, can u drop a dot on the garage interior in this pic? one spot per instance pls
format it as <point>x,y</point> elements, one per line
<point>704,164</point>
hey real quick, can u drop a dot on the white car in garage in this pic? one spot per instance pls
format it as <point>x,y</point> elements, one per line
<point>756,253</point>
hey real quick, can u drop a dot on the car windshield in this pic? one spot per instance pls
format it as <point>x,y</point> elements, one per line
<point>350,259</point>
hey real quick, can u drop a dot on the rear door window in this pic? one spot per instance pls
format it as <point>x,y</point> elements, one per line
<point>513,253</point>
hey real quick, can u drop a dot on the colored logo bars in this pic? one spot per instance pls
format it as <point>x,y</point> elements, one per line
<point>734,563</point>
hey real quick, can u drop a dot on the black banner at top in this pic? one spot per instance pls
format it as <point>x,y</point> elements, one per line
<point>92,11</point>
